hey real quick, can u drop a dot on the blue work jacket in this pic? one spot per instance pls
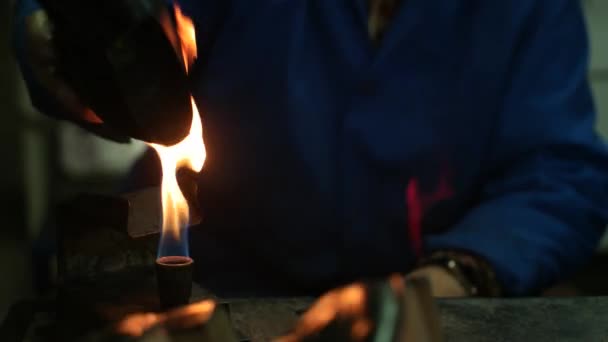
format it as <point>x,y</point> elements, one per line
<point>470,126</point>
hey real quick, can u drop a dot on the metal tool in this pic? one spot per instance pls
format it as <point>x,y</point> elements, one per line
<point>122,59</point>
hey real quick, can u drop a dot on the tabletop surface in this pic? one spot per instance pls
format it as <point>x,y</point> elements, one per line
<point>527,319</point>
<point>471,320</point>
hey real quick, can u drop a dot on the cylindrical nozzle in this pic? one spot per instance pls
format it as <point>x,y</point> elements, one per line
<point>174,280</point>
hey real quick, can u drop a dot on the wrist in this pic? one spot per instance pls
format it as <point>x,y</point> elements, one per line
<point>442,283</point>
<point>473,273</point>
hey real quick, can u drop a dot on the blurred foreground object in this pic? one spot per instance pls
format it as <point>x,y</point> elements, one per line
<point>108,292</point>
<point>202,321</point>
<point>380,311</point>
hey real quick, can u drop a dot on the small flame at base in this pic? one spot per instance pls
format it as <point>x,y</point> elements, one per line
<point>172,245</point>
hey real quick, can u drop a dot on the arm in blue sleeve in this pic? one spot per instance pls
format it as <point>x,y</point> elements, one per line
<point>544,205</point>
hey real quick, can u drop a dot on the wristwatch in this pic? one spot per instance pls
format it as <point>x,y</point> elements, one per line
<point>474,273</point>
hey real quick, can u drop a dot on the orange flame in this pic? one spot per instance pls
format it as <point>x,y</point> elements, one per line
<point>187,37</point>
<point>193,315</point>
<point>190,152</point>
<point>347,303</point>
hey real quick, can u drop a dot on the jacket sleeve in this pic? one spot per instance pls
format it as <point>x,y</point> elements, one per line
<point>207,14</point>
<point>544,204</point>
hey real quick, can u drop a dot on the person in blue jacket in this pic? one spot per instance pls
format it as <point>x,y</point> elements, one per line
<point>349,139</point>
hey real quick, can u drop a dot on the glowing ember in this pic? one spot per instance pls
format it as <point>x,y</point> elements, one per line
<point>345,304</point>
<point>351,300</point>
<point>197,314</point>
<point>190,152</point>
<point>361,329</point>
<point>136,324</point>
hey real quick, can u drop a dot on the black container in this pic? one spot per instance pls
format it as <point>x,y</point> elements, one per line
<point>174,281</point>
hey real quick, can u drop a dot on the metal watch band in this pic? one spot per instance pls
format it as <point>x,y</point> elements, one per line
<point>473,273</point>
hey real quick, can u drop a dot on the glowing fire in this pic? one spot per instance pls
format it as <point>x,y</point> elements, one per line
<point>190,152</point>
<point>193,315</point>
<point>346,303</point>
<point>187,37</point>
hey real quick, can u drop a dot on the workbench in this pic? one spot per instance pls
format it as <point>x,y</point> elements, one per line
<point>470,320</point>
<point>106,255</point>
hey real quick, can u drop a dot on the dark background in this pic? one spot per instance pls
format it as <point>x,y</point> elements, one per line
<point>14,265</point>
<point>42,161</point>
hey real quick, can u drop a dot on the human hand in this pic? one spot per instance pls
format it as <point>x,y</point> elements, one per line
<point>443,284</point>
